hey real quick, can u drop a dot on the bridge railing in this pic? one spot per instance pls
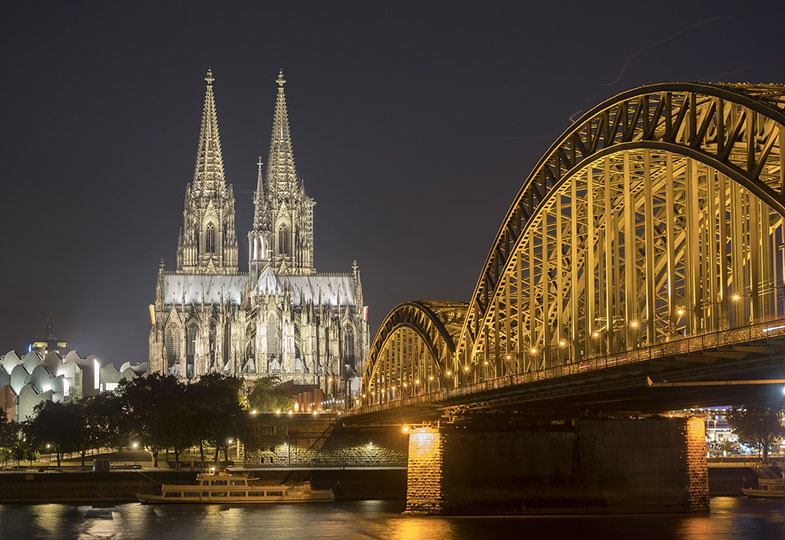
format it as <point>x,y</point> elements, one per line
<point>677,347</point>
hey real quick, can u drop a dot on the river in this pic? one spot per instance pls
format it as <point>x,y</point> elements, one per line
<point>730,518</point>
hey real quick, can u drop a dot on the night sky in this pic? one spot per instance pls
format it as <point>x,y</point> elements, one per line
<point>413,126</point>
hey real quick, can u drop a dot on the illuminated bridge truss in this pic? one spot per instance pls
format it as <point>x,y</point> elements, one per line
<point>413,350</point>
<point>656,217</point>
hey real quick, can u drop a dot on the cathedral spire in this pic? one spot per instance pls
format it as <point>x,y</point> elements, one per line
<point>258,200</point>
<point>209,172</point>
<point>280,162</point>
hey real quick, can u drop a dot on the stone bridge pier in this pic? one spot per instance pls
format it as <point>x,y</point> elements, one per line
<point>585,466</point>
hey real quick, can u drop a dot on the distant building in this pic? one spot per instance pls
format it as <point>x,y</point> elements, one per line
<point>44,374</point>
<point>282,317</point>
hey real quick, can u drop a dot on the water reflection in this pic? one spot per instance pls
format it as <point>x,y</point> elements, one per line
<point>730,518</point>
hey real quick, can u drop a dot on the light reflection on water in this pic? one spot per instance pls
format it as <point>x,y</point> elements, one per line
<point>731,518</point>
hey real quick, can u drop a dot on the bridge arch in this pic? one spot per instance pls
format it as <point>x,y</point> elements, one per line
<point>411,351</point>
<point>675,164</point>
<point>657,216</point>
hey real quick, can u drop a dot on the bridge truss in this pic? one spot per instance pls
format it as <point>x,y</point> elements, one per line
<point>655,218</point>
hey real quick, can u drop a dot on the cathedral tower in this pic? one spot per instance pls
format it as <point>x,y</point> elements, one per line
<point>282,232</point>
<point>208,242</point>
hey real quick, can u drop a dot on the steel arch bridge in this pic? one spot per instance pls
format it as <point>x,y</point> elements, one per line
<point>654,219</point>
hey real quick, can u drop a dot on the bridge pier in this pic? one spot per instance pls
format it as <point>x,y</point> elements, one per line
<point>592,466</point>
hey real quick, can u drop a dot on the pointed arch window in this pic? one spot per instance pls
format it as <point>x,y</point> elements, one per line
<point>209,238</point>
<point>348,346</point>
<point>190,349</point>
<point>172,345</point>
<point>283,240</point>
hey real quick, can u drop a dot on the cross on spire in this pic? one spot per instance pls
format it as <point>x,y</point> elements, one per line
<point>209,77</point>
<point>281,81</point>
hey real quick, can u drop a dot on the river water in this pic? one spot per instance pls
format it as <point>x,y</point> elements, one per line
<point>730,518</point>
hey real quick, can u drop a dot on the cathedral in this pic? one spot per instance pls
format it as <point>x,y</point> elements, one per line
<point>282,317</point>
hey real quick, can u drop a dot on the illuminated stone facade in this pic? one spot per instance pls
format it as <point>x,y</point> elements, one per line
<point>282,317</point>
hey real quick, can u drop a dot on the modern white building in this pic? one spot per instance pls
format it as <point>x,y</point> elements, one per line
<point>27,380</point>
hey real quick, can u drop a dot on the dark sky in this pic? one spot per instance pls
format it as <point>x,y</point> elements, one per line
<point>413,125</point>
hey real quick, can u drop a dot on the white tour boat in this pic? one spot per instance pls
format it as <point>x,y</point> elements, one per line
<point>767,487</point>
<point>225,488</point>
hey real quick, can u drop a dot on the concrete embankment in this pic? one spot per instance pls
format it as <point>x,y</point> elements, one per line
<point>122,486</point>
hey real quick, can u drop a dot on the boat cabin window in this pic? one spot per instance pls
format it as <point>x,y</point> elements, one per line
<point>256,493</point>
<point>173,494</point>
<point>218,494</point>
<point>236,482</point>
<point>190,493</point>
<point>219,482</point>
<point>275,493</point>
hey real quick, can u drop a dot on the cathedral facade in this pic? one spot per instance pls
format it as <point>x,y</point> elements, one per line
<point>282,317</point>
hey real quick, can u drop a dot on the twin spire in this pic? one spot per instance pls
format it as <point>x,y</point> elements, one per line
<point>209,160</point>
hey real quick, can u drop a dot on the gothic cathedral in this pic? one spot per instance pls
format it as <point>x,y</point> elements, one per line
<point>280,318</point>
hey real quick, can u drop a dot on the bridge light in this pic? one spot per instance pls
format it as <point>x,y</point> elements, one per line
<point>562,343</point>
<point>466,368</point>
<point>430,377</point>
<point>363,395</point>
<point>278,412</point>
<point>485,363</point>
<point>290,413</point>
<point>509,357</point>
<point>595,334</point>
<point>449,373</point>
<point>416,381</point>
<point>735,297</point>
<point>393,387</point>
<point>634,324</point>
<point>680,312</point>
<point>406,429</point>
<point>534,350</point>
<point>254,412</point>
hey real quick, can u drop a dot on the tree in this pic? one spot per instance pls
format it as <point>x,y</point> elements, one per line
<point>224,417</point>
<point>267,397</point>
<point>9,437</point>
<point>59,424</point>
<point>150,405</point>
<point>101,418</point>
<point>759,425</point>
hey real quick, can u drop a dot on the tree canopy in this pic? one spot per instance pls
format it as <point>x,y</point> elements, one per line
<point>266,397</point>
<point>759,425</point>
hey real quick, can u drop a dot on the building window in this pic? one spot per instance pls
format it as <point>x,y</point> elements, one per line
<point>190,349</point>
<point>212,344</point>
<point>172,347</point>
<point>209,238</point>
<point>348,346</point>
<point>283,240</point>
